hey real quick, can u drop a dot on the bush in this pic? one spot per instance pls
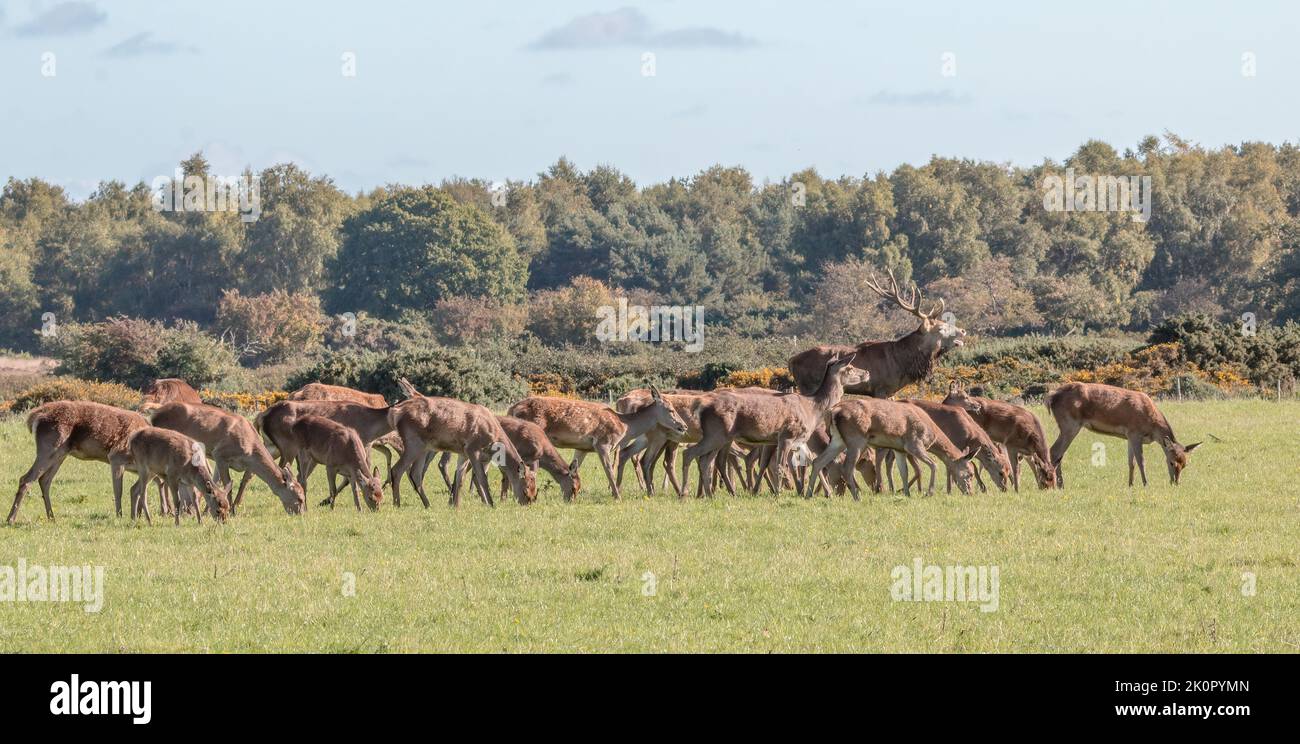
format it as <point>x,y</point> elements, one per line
<point>71,388</point>
<point>132,352</point>
<point>454,373</point>
<point>467,320</point>
<point>271,327</point>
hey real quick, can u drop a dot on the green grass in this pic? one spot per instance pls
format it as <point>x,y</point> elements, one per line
<point>1099,567</point>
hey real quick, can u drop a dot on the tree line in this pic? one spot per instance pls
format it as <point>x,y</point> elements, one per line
<point>784,258</point>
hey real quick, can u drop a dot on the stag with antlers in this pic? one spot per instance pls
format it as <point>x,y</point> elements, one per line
<point>893,364</point>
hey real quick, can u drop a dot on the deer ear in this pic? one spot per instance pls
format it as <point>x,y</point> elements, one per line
<point>971,454</point>
<point>288,475</point>
<point>1191,447</point>
<point>654,393</point>
<point>374,472</point>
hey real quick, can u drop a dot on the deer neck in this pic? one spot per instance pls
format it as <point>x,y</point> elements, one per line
<point>639,422</point>
<point>830,393</point>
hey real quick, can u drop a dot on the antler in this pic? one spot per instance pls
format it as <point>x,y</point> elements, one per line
<point>914,297</point>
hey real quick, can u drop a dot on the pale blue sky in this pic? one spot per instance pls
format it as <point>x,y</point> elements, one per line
<point>501,89</point>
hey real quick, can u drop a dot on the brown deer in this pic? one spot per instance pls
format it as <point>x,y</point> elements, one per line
<point>1015,428</point>
<point>645,450</point>
<point>321,391</point>
<point>232,443</point>
<point>429,424</point>
<point>535,449</point>
<point>371,424</point>
<point>1116,412</point>
<point>785,420</point>
<point>965,433</point>
<point>85,430</point>
<point>857,424</point>
<point>179,461</point>
<point>168,390</point>
<point>340,450</point>
<point>892,365</point>
<point>583,427</point>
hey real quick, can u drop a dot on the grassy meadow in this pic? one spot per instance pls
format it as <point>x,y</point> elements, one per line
<point>1098,567</point>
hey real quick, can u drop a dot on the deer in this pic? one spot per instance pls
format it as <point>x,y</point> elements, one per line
<point>168,390</point>
<point>965,433</point>
<point>180,463</point>
<point>371,425</point>
<point>859,423</point>
<point>1117,412</point>
<point>84,430</point>
<point>534,448</point>
<point>340,450</point>
<point>785,420</point>
<point>658,441</point>
<point>429,424</point>
<point>892,365</point>
<point>232,442</point>
<point>1016,428</point>
<point>586,427</point>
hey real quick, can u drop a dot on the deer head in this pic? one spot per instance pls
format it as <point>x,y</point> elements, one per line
<point>373,489</point>
<point>961,469</point>
<point>292,496</point>
<point>1176,457</point>
<point>665,416</point>
<point>217,498</point>
<point>939,333</point>
<point>1044,473</point>
<point>957,397</point>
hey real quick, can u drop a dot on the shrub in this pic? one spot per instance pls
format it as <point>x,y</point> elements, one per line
<point>454,373</point>
<point>774,378</point>
<point>271,327</point>
<point>469,320</point>
<point>132,352</point>
<point>243,402</point>
<point>568,315</point>
<point>71,388</point>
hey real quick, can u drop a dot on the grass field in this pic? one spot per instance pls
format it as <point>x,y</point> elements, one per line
<point>1099,567</point>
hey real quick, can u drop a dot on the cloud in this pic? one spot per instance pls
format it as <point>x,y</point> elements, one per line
<point>144,44</point>
<point>691,112</point>
<point>630,27</point>
<point>920,98</point>
<point>64,19</point>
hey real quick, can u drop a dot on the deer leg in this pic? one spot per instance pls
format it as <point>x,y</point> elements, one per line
<point>443,463</point>
<point>44,481</point>
<point>51,449</point>
<point>239,496</point>
<point>411,454</point>
<point>480,479</point>
<point>648,458</point>
<point>1069,430</point>
<point>604,452</point>
<point>356,494</point>
<point>462,467</point>
<point>417,472</point>
<point>1015,470</point>
<point>1136,445</point>
<point>828,455</point>
<point>670,475</point>
<point>915,453</point>
<point>721,461</point>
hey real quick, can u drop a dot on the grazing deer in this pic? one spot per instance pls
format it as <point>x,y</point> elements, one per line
<point>371,425</point>
<point>1015,428</point>
<point>892,365</point>
<point>585,427</point>
<point>965,433</point>
<point>1116,412</point>
<point>179,462</point>
<point>534,448</point>
<point>785,421</point>
<point>857,424</point>
<point>85,430</point>
<point>429,424</point>
<point>340,450</point>
<point>168,390</point>
<point>232,443</point>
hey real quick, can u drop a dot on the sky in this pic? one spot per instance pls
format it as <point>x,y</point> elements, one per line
<point>93,90</point>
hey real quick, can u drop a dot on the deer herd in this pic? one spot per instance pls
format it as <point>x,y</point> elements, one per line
<point>811,437</point>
